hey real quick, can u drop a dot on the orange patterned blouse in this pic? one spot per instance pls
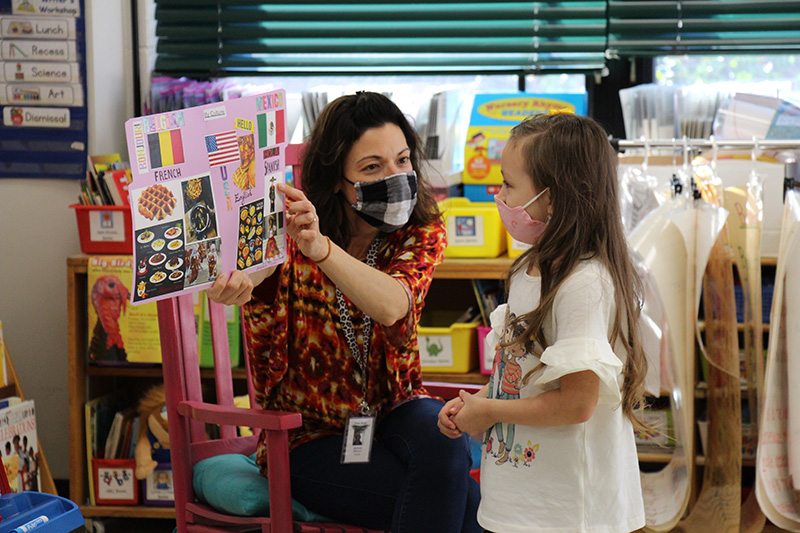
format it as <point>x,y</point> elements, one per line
<point>299,357</point>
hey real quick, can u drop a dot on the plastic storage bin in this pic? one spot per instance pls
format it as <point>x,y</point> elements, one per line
<point>104,229</point>
<point>481,193</point>
<point>485,353</point>
<point>20,508</point>
<point>447,346</point>
<point>474,229</point>
<point>515,248</point>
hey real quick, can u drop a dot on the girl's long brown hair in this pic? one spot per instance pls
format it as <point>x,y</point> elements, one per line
<point>571,155</point>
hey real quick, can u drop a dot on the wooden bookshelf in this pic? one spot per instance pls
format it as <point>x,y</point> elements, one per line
<point>84,377</point>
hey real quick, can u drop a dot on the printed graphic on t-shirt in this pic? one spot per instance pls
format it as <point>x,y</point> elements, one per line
<point>504,384</point>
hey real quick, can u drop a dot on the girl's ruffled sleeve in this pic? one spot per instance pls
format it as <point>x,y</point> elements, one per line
<point>497,320</point>
<point>576,355</point>
<point>582,310</point>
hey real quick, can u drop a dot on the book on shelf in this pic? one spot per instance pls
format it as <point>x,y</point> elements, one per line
<point>20,450</point>
<point>119,434</point>
<point>488,295</point>
<point>117,182</point>
<point>99,415</point>
<point>106,182</point>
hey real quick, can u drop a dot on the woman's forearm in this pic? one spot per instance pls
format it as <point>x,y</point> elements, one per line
<point>376,293</point>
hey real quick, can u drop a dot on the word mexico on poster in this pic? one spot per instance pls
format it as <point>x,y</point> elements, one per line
<point>203,196</point>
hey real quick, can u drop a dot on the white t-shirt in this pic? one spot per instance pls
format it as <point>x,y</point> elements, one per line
<point>576,478</point>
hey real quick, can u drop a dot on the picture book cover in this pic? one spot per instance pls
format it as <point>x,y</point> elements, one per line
<point>119,333</point>
<point>203,195</point>
<point>20,446</point>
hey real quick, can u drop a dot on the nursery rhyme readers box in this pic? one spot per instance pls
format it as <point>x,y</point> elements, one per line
<point>493,116</point>
<point>203,198</point>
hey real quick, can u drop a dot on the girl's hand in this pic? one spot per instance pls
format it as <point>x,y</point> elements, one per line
<point>473,417</point>
<point>235,290</point>
<point>445,421</point>
<point>302,224</point>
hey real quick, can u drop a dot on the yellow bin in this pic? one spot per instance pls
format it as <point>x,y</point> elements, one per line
<point>474,229</point>
<point>515,248</point>
<point>449,348</point>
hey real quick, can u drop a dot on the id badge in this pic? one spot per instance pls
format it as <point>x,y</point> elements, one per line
<point>358,431</point>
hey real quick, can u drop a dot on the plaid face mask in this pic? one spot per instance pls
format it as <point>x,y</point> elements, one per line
<point>386,203</point>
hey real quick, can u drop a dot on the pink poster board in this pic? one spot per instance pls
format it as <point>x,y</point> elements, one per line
<point>203,198</point>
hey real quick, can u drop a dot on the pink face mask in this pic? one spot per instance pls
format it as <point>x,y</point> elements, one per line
<point>519,223</point>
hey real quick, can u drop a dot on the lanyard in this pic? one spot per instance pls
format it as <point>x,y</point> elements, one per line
<point>349,332</point>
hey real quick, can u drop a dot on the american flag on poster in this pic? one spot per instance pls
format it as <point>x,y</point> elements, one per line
<point>222,148</point>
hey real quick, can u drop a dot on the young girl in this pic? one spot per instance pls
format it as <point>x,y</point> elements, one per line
<point>570,463</point>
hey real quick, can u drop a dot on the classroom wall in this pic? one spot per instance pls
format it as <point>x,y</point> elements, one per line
<point>38,232</point>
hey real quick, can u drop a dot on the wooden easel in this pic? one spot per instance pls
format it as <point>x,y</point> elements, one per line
<point>14,389</point>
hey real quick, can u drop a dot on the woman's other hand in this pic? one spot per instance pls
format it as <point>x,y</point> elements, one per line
<point>233,290</point>
<point>302,224</point>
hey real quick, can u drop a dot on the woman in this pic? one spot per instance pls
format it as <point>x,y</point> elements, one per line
<point>365,237</point>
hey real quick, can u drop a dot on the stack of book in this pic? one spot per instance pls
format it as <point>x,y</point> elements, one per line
<point>106,183</point>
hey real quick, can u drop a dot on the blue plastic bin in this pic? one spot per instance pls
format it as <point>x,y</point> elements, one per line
<point>16,509</point>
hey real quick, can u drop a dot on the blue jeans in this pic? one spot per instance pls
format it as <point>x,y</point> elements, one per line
<point>417,480</point>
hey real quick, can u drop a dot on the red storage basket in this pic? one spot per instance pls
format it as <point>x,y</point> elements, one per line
<point>100,231</point>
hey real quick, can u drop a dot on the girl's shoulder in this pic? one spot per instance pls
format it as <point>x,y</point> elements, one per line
<point>589,274</point>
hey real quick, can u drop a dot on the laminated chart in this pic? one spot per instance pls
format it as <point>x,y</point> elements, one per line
<point>203,198</point>
<point>674,242</point>
<point>744,230</point>
<point>778,452</point>
<point>43,104</point>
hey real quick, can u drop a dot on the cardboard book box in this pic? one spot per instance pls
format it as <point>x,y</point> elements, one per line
<point>493,116</point>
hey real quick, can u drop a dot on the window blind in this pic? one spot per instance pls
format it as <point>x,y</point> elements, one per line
<point>205,38</point>
<point>662,27</point>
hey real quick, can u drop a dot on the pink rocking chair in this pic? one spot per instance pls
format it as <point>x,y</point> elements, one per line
<point>188,413</point>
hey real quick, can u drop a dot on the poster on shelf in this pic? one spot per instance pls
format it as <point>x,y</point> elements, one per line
<point>204,197</point>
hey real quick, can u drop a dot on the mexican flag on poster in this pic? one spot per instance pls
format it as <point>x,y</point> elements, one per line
<point>203,197</point>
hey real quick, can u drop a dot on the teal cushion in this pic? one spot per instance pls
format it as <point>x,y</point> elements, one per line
<point>232,484</point>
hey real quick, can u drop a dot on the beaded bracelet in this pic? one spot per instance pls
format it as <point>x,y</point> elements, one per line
<point>329,251</point>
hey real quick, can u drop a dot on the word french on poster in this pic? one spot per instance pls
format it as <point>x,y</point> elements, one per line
<point>204,199</point>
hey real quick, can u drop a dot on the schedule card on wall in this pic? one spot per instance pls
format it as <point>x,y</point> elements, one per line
<point>203,197</point>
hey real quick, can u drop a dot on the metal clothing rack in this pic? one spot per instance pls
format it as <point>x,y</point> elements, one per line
<point>792,173</point>
<point>705,143</point>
